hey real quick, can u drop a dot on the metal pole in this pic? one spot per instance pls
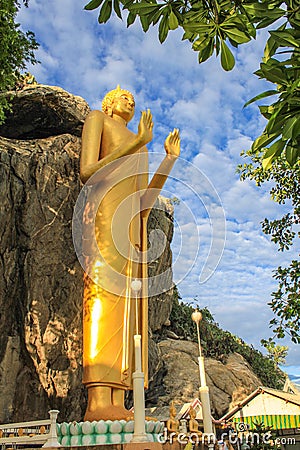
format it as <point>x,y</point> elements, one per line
<point>204,390</point>
<point>139,433</point>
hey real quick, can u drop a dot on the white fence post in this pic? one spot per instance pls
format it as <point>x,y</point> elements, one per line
<point>52,437</point>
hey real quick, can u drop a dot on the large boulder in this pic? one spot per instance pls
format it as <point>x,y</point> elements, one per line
<point>181,378</point>
<point>41,111</point>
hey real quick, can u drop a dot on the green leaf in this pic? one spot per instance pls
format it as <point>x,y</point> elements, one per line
<point>127,3</point>
<point>145,23</point>
<point>199,43</point>
<point>285,38</point>
<point>270,49</point>
<point>117,8</point>
<point>227,58</point>
<point>173,21</point>
<point>163,28</point>
<point>272,152</point>
<point>266,21</point>
<point>154,17</point>
<point>295,20</point>
<point>263,140</point>
<point>277,120</point>
<point>266,111</point>
<point>271,45</point>
<point>144,9</point>
<point>255,9</point>
<point>292,154</point>
<point>291,129</point>
<point>236,35</point>
<point>272,72</point>
<point>260,96</point>
<point>199,27</point>
<point>93,4</point>
<point>207,50</point>
<point>130,18</point>
<point>217,45</point>
<point>105,11</point>
<point>188,36</point>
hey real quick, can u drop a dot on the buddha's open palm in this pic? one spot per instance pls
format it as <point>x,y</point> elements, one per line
<point>145,127</point>
<point>172,143</point>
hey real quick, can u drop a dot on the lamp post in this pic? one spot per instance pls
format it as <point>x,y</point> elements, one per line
<point>203,390</point>
<point>139,434</point>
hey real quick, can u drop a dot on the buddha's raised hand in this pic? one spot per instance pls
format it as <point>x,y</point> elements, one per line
<point>145,127</point>
<point>172,143</point>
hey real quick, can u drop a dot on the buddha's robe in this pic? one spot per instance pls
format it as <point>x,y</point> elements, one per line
<point>119,230</point>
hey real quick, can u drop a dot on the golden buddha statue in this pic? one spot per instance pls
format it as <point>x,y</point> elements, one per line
<point>114,163</point>
<point>193,423</point>
<point>172,423</point>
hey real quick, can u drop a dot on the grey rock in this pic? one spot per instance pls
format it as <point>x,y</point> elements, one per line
<point>170,334</point>
<point>42,111</point>
<point>181,380</point>
<point>41,279</point>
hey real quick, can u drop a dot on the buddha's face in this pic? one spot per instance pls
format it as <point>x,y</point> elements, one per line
<point>123,106</point>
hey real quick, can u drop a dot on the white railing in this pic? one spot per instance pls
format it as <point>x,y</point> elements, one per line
<point>38,432</point>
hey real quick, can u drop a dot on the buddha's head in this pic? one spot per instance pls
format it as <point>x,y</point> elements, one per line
<point>172,410</point>
<point>192,413</point>
<point>119,102</point>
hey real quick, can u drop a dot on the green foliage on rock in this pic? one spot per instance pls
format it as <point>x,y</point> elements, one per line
<point>218,344</point>
<point>17,49</point>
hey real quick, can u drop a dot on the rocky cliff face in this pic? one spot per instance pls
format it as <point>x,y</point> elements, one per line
<point>41,279</point>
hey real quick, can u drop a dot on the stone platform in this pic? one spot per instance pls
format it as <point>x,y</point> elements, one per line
<point>108,432</point>
<point>129,446</point>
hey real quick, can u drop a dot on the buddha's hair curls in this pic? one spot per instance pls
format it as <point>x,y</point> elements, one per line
<point>110,96</point>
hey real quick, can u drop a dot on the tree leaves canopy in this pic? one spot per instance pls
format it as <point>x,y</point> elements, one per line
<point>284,232</point>
<point>213,26</point>
<point>17,49</point>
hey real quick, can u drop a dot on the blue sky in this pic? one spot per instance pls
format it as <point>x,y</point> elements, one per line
<point>219,216</point>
